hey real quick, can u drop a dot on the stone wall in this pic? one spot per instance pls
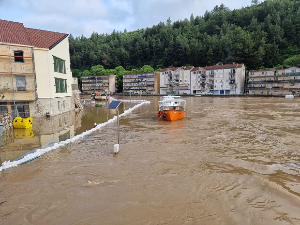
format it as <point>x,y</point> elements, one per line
<point>6,120</point>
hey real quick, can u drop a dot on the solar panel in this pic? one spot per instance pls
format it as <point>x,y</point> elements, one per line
<point>114,104</point>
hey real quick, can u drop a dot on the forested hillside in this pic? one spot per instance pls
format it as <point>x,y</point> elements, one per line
<point>262,35</point>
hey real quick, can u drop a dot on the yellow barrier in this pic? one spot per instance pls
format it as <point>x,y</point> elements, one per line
<point>23,123</point>
<point>23,133</point>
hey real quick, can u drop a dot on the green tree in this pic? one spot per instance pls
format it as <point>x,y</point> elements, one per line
<point>292,61</point>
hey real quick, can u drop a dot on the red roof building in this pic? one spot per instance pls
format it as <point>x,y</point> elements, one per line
<point>16,33</point>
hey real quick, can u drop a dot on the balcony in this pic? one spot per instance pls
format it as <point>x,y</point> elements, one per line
<point>255,88</point>
<point>293,73</point>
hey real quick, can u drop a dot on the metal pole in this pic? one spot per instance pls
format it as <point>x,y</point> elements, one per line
<point>118,126</point>
<point>106,98</point>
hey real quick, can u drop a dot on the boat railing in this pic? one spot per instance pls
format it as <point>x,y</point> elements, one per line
<point>177,108</point>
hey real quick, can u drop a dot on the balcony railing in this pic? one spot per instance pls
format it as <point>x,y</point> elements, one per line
<point>293,73</point>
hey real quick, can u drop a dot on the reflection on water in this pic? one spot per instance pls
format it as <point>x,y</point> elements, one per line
<point>47,131</point>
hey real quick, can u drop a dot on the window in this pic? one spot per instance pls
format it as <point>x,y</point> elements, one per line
<point>20,109</point>
<point>59,65</point>
<point>18,56</point>
<point>3,107</point>
<point>61,85</point>
<point>21,83</point>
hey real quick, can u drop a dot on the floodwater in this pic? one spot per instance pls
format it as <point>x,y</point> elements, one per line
<point>229,161</point>
<point>45,132</point>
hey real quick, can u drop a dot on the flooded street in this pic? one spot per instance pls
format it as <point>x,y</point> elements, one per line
<point>229,161</point>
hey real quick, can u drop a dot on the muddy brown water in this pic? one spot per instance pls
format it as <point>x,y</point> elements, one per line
<point>229,161</point>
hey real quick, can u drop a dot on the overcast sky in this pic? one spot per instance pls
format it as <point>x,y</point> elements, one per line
<point>82,17</point>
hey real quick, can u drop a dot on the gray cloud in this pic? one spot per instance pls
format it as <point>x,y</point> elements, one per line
<point>81,17</point>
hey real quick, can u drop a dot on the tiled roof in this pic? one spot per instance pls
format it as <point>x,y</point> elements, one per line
<point>13,32</point>
<point>166,69</point>
<point>225,66</point>
<point>45,39</point>
<point>16,33</point>
<point>197,68</point>
<point>188,67</point>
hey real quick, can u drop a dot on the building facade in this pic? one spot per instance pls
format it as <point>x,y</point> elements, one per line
<point>227,79</point>
<point>280,81</point>
<point>218,79</point>
<point>53,72</point>
<point>142,83</point>
<point>100,84</point>
<point>199,82</point>
<point>17,73</point>
<point>175,80</point>
<point>35,75</point>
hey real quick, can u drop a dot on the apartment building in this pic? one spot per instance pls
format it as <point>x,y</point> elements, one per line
<point>142,83</point>
<point>199,82</point>
<point>175,80</point>
<point>280,81</point>
<point>218,79</point>
<point>225,79</point>
<point>100,84</point>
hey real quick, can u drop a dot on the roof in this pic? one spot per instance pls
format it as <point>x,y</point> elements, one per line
<point>45,39</point>
<point>167,69</point>
<point>188,67</point>
<point>16,33</point>
<point>13,32</point>
<point>197,68</point>
<point>225,66</point>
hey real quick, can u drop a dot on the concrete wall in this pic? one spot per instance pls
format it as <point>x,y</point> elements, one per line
<point>45,74</point>
<point>54,106</point>
<point>49,100</point>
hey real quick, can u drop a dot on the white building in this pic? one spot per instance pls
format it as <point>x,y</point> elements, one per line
<point>53,73</point>
<point>175,80</point>
<point>225,79</point>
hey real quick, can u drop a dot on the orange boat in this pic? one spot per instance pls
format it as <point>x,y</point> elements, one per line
<point>171,108</point>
